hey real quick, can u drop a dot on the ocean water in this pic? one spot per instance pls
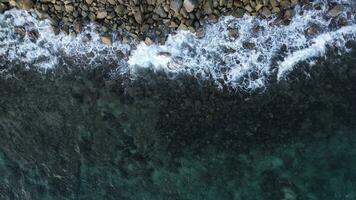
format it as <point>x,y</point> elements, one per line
<point>196,118</point>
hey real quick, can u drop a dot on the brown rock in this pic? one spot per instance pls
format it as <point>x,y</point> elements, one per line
<point>20,30</point>
<point>23,4</point>
<point>208,7</point>
<point>101,14</point>
<point>89,1</point>
<point>148,41</point>
<point>106,40</point>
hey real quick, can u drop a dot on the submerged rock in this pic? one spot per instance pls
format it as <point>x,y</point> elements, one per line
<point>335,11</point>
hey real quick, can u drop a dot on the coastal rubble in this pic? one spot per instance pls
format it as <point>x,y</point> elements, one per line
<point>149,18</point>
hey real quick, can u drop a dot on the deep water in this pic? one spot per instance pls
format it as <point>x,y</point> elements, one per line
<point>84,134</point>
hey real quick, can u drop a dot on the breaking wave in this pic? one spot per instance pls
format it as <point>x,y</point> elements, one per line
<point>258,50</point>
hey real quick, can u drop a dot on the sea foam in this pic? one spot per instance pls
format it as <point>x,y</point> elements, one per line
<point>274,49</point>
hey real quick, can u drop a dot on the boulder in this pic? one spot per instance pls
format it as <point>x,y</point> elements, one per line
<point>23,4</point>
<point>138,15</point>
<point>335,11</point>
<point>190,5</point>
<point>3,7</point>
<point>233,34</point>
<point>148,41</point>
<point>106,39</point>
<point>101,14</point>
<point>20,30</point>
<point>208,7</point>
<point>160,11</point>
<point>176,5</point>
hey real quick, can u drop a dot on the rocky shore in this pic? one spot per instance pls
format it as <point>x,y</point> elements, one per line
<point>148,20</point>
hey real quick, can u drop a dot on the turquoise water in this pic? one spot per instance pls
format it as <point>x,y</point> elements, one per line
<point>83,134</point>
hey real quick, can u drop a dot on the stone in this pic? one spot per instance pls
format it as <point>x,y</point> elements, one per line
<point>266,12</point>
<point>176,5</point>
<point>248,45</point>
<point>106,40</point>
<point>148,41</point>
<point>312,30</point>
<point>24,4</point>
<point>89,2</point>
<point>160,11</point>
<point>200,33</point>
<point>183,27</point>
<point>101,14</point>
<point>138,16</point>
<point>120,10</point>
<point>190,5</point>
<point>335,11</point>
<point>3,7</point>
<point>208,7</point>
<point>20,30</point>
<point>233,33</point>
<point>69,8</point>
<point>33,35</point>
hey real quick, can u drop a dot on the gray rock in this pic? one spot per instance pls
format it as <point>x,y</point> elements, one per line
<point>138,16</point>
<point>335,11</point>
<point>190,5</point>
<point>160,11</point>
<point>176,5</point>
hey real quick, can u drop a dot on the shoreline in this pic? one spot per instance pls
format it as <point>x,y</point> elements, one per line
<point>151,20</point>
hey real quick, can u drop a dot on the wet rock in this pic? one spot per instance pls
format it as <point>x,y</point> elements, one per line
<point>106,39</point>
<point>312,30</point>
<point>233,34</point>
<point>208,7</point>
<point>335,11</point>
<point>3,7</point>
<point>33,35</point>
<point>160,11</point>
<point>248,45</point>
<point>176,5</point>
<point>101,14</point>
<point>182,27</point>
<point>138,15</point>
<point>148,41</point>
<point>266,12</point>
<point>165,54</point>
<point>200,33</point>
<point>190,5</point>
<point>23,4</point>
<point>20,30</point>
<point>69,8</point>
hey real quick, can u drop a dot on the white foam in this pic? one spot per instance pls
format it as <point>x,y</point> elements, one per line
<point>47,51</point>
<point>317,48</point>
<point>214,56</point>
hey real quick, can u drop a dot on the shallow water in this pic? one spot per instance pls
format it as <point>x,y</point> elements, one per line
<point>81,127</point>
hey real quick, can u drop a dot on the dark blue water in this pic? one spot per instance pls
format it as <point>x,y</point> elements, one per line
<point>82,134</point>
